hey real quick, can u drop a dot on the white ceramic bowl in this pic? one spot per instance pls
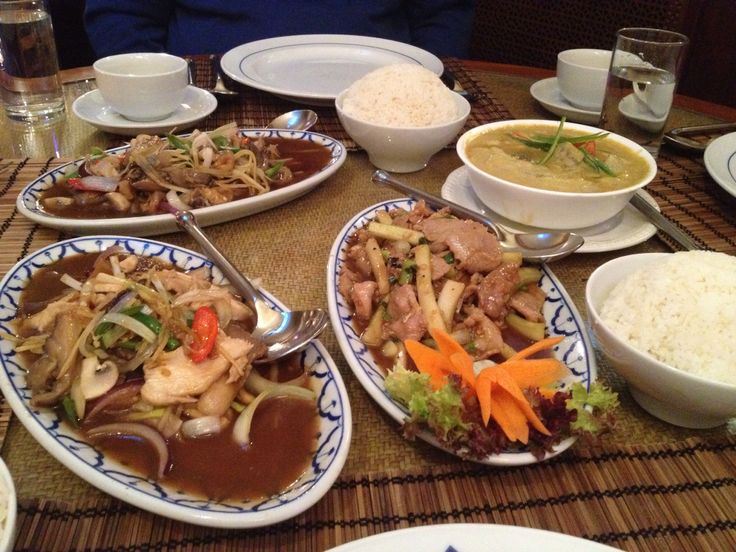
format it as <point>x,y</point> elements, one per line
<point>402,149</point>
<point>673,395</point>
<point>7,530</point>
<point>547,208</point>
<point>142,86</point>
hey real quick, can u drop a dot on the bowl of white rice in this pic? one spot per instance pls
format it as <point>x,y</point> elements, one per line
<point>666,322</point>
<point>401,114</point>
<point>8,509</point>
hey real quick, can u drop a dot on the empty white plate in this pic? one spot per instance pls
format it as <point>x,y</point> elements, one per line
<point>314,69</point>
<point>624,230</point>
<point>196,105</point>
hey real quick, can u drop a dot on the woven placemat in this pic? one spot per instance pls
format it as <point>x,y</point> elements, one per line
<point>638,499</point>
<point>254,108</point>
<point>689,197</point>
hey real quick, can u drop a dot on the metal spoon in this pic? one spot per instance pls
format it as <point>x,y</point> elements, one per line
<point>540,247</point>
<point>282,332</point>
<point>220,90</point>
<point>299,119</point>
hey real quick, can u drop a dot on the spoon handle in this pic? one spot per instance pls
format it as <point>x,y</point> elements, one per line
<point>187,221</point>
<point>383,178</point>
<point>664,224</point>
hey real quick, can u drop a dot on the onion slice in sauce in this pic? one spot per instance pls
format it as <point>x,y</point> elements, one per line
<point>99,183</point>
<point>241,428</point>
<point>118,398</point>
<point>203,426</point>
<point>148,434</point>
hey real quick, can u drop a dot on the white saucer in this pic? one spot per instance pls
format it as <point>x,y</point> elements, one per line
<point>638,113</point>
<point>624,230</point>
<point>91,107</point>
<point>547,93</point>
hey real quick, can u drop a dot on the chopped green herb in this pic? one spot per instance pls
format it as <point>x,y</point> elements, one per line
<point>273,170</point>
<point>67,403</point>
<point>449,258</point>
<point>177,142</point>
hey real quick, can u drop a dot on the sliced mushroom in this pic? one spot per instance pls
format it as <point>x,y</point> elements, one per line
<point>57,202</point>
<point>118,201</point>
<point>97,379</point>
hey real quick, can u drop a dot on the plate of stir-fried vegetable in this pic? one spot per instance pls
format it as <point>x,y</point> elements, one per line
<point>220,175</point>
<point>149,346</point>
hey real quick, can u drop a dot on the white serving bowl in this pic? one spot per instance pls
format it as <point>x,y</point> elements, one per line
<point>547,208</point>
<point>670,394</point>
<point>402,149</point>
<point>7,530</point>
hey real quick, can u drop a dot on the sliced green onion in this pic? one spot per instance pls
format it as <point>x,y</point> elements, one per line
<point>177,142</point>
<point>555,141</point>
<point>275,168</point>
<point>449,258</point>
<point>69,410</point>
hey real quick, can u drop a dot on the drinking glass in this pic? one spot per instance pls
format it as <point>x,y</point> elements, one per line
<point>642,78</point>
<point>29,69</point>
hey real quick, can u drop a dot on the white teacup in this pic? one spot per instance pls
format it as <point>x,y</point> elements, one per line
<point>582,75</point>
<point>142,86</point>
<point>656,97</point>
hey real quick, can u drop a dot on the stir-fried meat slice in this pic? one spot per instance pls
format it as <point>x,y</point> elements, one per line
<point>225,303</point>
<point>174,378</point>
<point>179,282</point>
<point>528,303</point>
<point>473,246</point>
<point>359,260</point>
<point>204,197</point>
<point>407,318</point>
<point>346,281</point>
<point>488,339</point>
<point>362,297</point>
<point>496,289</point>
<point>42,321</point>
<point>439,266</point>
<point>43,375</point>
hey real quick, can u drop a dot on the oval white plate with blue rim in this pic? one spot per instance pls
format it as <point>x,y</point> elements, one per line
<point>61,441</point>
<point>559,311</point>
<point>472,537</point>
<point>152,225</point>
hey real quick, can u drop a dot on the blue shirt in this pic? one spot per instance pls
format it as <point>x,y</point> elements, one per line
<point>215,26</point>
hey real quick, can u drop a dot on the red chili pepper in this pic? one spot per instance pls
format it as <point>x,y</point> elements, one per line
<point>204,331</point>
<point>75,183</point>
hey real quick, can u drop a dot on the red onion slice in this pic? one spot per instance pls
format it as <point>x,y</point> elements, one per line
<point>118,398</point>
<point>143,431</point>
<point>99,183</point>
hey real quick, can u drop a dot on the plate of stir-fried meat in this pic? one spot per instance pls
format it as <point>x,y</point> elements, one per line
<point>132,362</point>
<point>220,175</point>
<point>463,344</point>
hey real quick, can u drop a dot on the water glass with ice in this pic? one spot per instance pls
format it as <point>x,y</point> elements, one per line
<point>29,69</point>
<point>640,88</point>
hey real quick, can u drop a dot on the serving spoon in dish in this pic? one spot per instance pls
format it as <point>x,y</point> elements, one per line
<point>282,332</point>
<point>299,119</point>
<point>540,247</point>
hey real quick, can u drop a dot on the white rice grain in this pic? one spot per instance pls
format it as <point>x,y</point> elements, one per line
<point>682,311</point>
<point>400,95</point>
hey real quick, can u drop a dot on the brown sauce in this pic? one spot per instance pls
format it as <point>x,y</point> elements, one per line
<point>283,433</point>
<point>283,436</point>
<point>303,157</point>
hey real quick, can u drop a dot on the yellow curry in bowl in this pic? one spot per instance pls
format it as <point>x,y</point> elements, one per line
<point>564,161</point>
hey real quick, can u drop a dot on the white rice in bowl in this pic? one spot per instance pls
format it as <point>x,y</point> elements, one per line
<point>682,311</point>
<point>400,95</point>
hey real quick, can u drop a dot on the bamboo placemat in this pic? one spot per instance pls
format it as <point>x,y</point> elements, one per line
<point>255,108</point>
<point>640,498</point>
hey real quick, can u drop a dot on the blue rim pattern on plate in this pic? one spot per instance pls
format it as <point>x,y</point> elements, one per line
<point>335,424</point>
<point>150,225</point>
<point>562,317</point>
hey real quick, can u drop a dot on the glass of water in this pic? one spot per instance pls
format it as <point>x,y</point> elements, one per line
<point>29,68</point>
<point>642,78</point>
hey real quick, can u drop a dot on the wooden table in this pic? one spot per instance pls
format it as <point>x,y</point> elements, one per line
<point>646,486</point>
